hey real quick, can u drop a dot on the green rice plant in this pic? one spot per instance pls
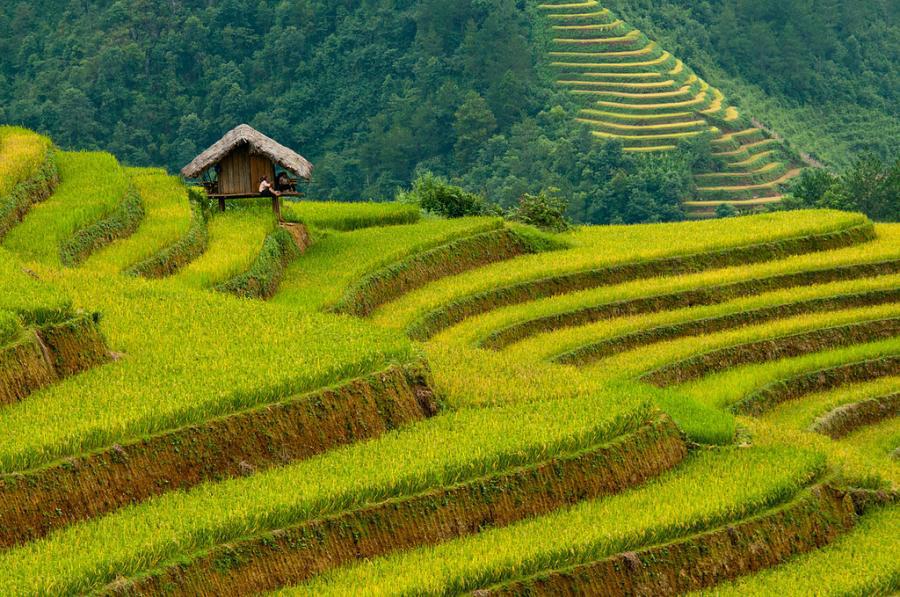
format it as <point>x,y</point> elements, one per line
<point>177,255</point>
<point>849,465</point>
<point>863,562</point>
<point>762,174</point>
<point>261,280</point>
<point>140,538</point>
<point>334,215</point>
<point>32,300</point>
<point>722,390</point>
<point>713,488</point>
<point>508,325</point>
<point>801,414</point>
<point>10,327</point>
<point>748,191</point>
<point>576,346</point>
<point>422,267</point>
<point>852,462</point>
<point>879,441</point>
<point>167,219</point>
<point>183,359</point>
<point>600,247</point>
<point>644,361</point>
<point>338,259</point>
<point>93,186</point>
<point>468,376</point>
<point>235,240</point>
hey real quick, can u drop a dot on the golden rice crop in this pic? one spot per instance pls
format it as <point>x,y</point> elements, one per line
<point>864,562</point>
<point>184,359</point>
<point>597,247</point>
<point>21,154</point>
<point>142,537</point>
<point>712,489</point>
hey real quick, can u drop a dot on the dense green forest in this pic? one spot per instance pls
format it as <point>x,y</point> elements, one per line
<point>824,73</point>
<point>376,92</point>
<point>372,92</point>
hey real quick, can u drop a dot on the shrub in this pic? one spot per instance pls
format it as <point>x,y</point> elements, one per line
<point>436,195</point>
<point>726,210</point>
<point>546,211</point>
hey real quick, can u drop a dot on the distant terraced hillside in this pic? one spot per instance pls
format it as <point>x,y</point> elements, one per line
<point>634,91</point>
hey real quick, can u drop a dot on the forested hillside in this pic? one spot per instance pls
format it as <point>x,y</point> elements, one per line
<point>376,92</point>
<point>825,73</point>
<point>369,90</point>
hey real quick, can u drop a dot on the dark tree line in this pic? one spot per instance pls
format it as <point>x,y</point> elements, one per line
<point>373,92</point>
<point>376,92</point>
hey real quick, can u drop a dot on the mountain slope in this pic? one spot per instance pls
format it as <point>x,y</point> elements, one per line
<point>641,95</point>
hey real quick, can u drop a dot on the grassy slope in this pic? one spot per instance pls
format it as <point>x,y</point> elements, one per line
<point>832,133</point>
<point>168,218</point>
<point>184,360</point>
<point>93,185</point>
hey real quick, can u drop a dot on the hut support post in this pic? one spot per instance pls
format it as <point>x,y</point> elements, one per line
<point>221,204</point>
<point>276,207</point>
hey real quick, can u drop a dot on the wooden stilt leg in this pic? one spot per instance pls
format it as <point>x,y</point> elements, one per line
<point>221,204</point>
<point>276,207</point>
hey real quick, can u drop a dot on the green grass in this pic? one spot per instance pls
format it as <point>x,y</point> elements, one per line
<point>235,239</point>
<point>598,247</point>
<point>186,356</point>
<point>92,186</point>
<point>139,538</point>
<point>333,215</point>
<point>167,219</point>
<point>338,259</point>
<point>863,562</point>
<point>711,489</point>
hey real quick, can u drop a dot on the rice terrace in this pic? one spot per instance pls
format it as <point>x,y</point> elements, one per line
<point>219,382</point>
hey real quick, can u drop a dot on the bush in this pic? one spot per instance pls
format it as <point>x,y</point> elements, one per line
<point>546,211</point>
<point>870,186</point>
<point>436,195</point>
<point>726,210</point>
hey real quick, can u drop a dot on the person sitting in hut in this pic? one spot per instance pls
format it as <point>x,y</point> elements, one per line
<point>283,183</point>
<point>265,188</point>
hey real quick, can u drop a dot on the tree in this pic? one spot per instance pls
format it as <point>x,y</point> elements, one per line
<point>473,126</point>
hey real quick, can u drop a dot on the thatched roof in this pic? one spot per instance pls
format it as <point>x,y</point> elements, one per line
<point>259,144</point>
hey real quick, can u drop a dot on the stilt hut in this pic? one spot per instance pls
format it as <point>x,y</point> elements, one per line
<point>233,166</point>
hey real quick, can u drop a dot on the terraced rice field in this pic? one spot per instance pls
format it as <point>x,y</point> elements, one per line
<point>369,402</point>
<point>633,91</point>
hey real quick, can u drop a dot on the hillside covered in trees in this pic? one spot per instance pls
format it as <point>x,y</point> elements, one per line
<point>825,73</point>
<point>376,92</point>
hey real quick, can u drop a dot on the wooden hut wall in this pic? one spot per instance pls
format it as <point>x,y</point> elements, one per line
<point>261,166</point>
<point>241,171</point>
